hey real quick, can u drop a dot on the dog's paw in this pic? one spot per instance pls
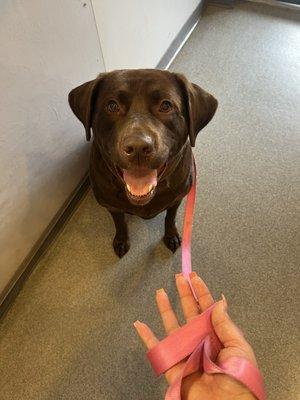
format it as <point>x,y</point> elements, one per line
<point>121,246</point>
<point>172,241</point>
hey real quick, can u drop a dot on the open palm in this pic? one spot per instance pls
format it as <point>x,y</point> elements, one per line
<point>201,385</point>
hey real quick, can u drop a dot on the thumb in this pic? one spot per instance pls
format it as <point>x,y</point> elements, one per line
<point>228,333</point>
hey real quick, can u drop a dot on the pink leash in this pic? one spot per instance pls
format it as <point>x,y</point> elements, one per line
<point>197,339</point>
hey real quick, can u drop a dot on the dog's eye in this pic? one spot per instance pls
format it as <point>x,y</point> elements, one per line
<point>112,106</point>
<point>165,106</point>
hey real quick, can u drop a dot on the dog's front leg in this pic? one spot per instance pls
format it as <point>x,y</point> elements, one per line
<point>172,238</point>
<point>121,241</point>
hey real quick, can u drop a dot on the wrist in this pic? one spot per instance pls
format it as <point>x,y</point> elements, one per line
<point>193,388</point>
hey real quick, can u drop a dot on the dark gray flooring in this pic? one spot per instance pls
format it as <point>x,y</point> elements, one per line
<point>69,334</point>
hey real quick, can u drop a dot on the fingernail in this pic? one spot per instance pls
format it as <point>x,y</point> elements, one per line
<point>136,324</point>
<point>178,275</point>
<point>225,304</point>
<point>162,290</point>
<point>193,275</point>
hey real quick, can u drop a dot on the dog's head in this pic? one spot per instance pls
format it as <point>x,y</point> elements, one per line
<point>140,120</point>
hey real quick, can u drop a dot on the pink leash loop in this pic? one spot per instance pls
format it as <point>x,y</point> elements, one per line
<point>167,353</point>
<point>196,341</point>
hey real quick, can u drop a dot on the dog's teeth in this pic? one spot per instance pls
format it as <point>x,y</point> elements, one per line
<point>150,188</point>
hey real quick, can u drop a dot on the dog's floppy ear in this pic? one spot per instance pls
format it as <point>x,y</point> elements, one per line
<point>200,105</point>
<point>82,100</point>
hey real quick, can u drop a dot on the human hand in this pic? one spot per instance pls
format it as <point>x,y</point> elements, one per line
<point>202,385</point>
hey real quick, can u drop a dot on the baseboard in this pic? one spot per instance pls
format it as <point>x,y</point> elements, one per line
<point>63,215</point>
<point>225,3</point>
<point>52,231</point>
<point>289,4</point>
<point>180,38</point>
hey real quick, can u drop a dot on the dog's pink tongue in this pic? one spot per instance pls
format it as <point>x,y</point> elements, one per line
<point>140,181</point>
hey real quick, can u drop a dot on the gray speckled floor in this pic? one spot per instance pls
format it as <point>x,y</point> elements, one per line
<point>69,334</point>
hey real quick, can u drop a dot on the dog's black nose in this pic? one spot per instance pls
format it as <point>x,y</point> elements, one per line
<point>138,146</point>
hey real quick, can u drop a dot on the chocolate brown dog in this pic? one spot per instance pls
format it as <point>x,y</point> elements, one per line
<point>144,123</point>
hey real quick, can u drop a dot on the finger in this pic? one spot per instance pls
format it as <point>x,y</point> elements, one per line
<point>228,333</point>
<point>224,326</point>
<point>205,299</point>
<point>167,314</point>
<point>146,334</point>
<point>150,340</point>
<point>188,303</point>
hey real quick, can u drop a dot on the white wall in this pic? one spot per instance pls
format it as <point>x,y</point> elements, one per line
<point>137,33</point>
<point>46,48</point>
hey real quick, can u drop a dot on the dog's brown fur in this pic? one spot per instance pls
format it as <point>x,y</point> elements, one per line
<point>139,95</point>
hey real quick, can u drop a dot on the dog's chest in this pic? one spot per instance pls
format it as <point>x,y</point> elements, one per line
<point>110,192</point>
<point>114,198</point>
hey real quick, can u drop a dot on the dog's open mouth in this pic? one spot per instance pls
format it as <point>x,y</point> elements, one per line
<point>140,183</point>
